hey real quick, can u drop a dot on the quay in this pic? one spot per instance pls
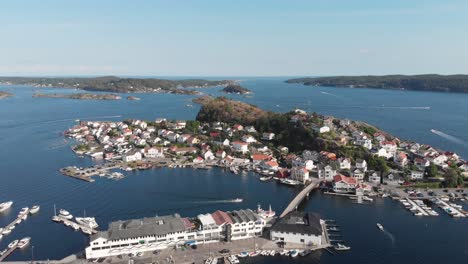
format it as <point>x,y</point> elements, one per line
<point>8,253</point>
<point>67,222</point>
<point>300,197</point>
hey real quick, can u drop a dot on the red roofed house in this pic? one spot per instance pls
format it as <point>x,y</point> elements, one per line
<point>282,173</point>
<point>401,159</point>
<point>300,174</point>
<point>240,146</point>
<point>343,184</point>
<point>238,127</point>
<point>221,218</point>
<point>270,165</point>
<point>257,158</point>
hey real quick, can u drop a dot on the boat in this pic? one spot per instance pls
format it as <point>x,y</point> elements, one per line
<point>24,242</point>
<point>243,254</point>
<point>5,206</point>
<point>1,236</point>
<point>24,217</point>
<point>87,221</point>
<point>284,252</point>
<point>86,231</point>
<point>380,226</point>
<point>333,229</point>
<point>214,261</point>
<point>3,252</point>
<point>305,252</point>
<point>75,226</point>
<point>24,211</point>
<point>13,244</point>
<point>17,222</point>
<point>65,214</point>
<point>272,252</point>
<point>6,231</point>
<point>294,253</point>
<point>341,247</point>
<point>254,253</point>
<point>34,209</point>
<point>265,214</point>
<point>238,200</point>
<point>266,178</point>
<point>233,259</point>
<point>289,182</point>
<point>56,219</point>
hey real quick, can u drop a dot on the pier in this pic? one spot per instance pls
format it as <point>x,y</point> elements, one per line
<point>69,223</point>
<point>8,253</point>
<point>300,197</point>
<point>17,220</point>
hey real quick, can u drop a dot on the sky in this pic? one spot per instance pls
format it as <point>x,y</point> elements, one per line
<point>233,38</point>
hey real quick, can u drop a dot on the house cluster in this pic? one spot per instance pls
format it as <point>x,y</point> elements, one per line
<point>160,232</point>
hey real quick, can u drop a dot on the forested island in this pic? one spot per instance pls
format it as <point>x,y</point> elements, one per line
<point>117,84</point>
<point>4,95</point>
<point>427,82</point>
<point>80,96</point>
<point>235,89</point>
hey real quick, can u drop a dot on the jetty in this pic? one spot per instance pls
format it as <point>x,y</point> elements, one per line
<point>300,197</point>
<point>8,253</point>
<point>68,222</point>
<point>17,220</point>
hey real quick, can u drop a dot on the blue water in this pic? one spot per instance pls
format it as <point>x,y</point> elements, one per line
<point>33,150</point>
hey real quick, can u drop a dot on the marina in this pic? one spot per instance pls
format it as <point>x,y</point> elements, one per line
<point>87,225</point>
<point>22,216</point>
<point>14,245</point>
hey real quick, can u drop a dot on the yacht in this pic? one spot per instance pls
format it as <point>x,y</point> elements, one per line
<point>87,221</point>
<point>75,226</point>
<point>5,206</point>
<point>24,242</point>
<point>34,209</point>
<point>24,211</point>
<point>380,226</point>
<point>13,244</point>
<point>65,214</point>
<point>294,253</point>
<point>56,219</point>
<point>341,247</point>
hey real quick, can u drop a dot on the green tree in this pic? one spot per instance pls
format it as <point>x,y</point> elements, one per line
<point>432,171</point>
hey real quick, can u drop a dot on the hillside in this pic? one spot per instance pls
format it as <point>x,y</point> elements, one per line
<point>428,82</point>
<point>5,94</point>
<point>116,84</point>
<point>226,110</point>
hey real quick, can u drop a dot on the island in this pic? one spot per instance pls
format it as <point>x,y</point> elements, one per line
<point>4,95</point>
<point>117,84</point>
<point>426,82</point>
<point>235,89</point>
<point>79,96</point>
<point>133,98</point>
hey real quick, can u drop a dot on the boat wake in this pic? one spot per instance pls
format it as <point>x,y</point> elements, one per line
<point>334,95</point>
<point>390,235</point>
<point>219,201</point>
<point>449,137</point>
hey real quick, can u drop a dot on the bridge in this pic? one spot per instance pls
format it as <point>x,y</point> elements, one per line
<point>300,197</point>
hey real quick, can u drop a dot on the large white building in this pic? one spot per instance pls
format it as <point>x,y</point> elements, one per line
<point>154,233</point>
<point>299,228</point>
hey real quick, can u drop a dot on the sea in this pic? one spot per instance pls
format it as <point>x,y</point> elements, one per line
<point>33,149</point>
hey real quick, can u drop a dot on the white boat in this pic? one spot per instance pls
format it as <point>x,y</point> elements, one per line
<point>24,242</point>
<point>1,236</point>
<point>86,231</point>
<point>266,178</point>
<point>294,253</point>
<point>265,214</point>
<point>24,217</point>
<point>5,206</point>
<point>56,219</point>
<point>34,209</point>
<point>341,247</point>
<point>254,253</point>
<point>238,200</point>
<point>87,221</point>
<point>380,226</point>
<point>289,182</point>
<point>6,231</point>
<point>75,226</point>
<point>24,211</point>
<point>243,254</point>
<point>65,214</point>
<point>13,244</point>
<point>17,222</point>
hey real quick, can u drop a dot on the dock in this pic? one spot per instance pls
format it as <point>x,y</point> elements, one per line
<point>300,197</point>
<point>14,222</point>
<point>8,253</point>
<point>69,223</point>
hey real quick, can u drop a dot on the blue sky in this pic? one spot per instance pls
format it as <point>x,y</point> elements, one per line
<point>233,38</point>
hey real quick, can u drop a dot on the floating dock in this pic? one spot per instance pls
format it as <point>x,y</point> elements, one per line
<point>19,218</point>
<point>8,253</point>
<point>69,223</point>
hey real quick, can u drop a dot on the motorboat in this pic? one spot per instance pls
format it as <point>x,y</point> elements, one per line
<point>341,247</point>
<point>243,254</point>
<point>289,182</point>
<point>65,214</point>
<point>13,244</point>
<point>24,242</point>
<point>294,253</point>
<point>56,219</point>
<point>254,253</point>
<point>86,231</point>
<point>24,211</point>
<point>34,209</point>
<point>305,252</point>
<point>380,226</point>
<point>266,178</point>
<point>75,226</point>
<point>87,221</point>
<point>238,200</point>
<point>7,231</point>
<point>5,206</point>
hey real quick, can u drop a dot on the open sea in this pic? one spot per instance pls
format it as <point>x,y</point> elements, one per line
<point>32,149</point>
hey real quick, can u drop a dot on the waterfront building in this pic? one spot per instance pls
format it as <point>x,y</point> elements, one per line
<point>343,184</point>
<point>239,146</point>
<point>160,232</point>
<point>299,228</point>
<point>300,174</point>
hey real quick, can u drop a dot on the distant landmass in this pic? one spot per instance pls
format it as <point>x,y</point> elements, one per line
<point>427,82</point>
<point>118,85</point>
<point>235,89</point>
<point>4,95</point>
<point>80,96</point>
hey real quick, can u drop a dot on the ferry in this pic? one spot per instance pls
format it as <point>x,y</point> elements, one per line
<point>13,244</point>
<point>380,226</point>
<point>5,206</point>
<point>24,242</point>
<point>65,214</point>
<point>341,247</point>
<point>34,209</point>
<point>87,221</point>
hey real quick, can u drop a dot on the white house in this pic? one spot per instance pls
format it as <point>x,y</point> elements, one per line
<point>129,157</point>
<point>416,175</point>
<point>345,163</point>
<point>268,136</point>
<point>208,155</point>
<point>239,146</point>
<point>374,178</point>
<point>308,164</point>
<point>343,184</point>
<point>154,152</point>
<point>299,228</point>
<point>300,174</point>
<point>361,164</point>
<point>248,139</point>
<point>358,174</point>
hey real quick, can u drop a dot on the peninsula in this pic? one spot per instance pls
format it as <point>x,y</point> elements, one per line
<point>427,82</point>
<point>235,89</point>
<point>117,84</point>
<point>80,96</point>
<point>4,95</point>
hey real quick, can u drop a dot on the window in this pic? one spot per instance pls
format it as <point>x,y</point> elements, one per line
<point>302,240</point>
<point>96,248</point>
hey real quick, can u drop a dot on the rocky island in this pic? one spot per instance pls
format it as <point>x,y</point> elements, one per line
<point>4,95</point>
<point>80,96</point>
<point>235,89</point>
<point>426,82</point>
<point>117,84</point>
